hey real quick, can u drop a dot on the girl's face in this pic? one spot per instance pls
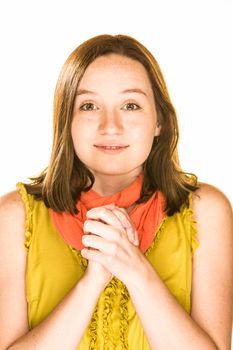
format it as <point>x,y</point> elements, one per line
<point>114,118</point>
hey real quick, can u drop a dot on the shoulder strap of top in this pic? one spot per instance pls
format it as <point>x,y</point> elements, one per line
<point>28,202</point>
<point>188,212</point>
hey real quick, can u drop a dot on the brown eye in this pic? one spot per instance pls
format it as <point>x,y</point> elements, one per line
<point>87,107</point>
<point>132,106</point>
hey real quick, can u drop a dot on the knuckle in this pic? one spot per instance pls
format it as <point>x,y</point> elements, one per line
<point>114,248</point>
<point>118,236</point>
<point>109,259</point>
<point>109,206</point>
<point>123,211</point>
<point>90,212</point>
<point>118,213</point>
<point>103,211</point>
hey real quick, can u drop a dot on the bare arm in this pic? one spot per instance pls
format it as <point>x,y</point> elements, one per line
<point>64,327</point>
<point>165,322</point>
<point>212,291</point>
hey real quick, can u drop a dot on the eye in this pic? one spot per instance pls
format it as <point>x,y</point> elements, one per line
<point>87,107</point>
<point>133,106</point>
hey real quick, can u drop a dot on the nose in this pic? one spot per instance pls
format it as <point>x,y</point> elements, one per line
<point>110,123</point>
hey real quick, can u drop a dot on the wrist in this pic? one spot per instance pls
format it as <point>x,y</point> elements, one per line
<point>93,283</point>
<point>142,276</point>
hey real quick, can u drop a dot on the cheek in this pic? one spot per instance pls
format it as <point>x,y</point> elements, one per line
<point>143,139</point>
<point>79,131</point>
<point>143,133</point>
<point>82,137</point>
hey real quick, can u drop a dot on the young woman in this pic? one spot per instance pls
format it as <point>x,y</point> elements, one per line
<point>123,249</point>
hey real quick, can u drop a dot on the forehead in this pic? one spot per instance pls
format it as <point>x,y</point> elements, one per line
<point>119,68</point>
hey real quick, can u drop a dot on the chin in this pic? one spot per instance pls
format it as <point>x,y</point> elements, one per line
<point>114,170</point>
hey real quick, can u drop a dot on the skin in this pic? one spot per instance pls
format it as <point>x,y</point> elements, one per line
<point>210,322</point>
<point>109,245</point>
<point>111,118</point>
<point>111,238</point>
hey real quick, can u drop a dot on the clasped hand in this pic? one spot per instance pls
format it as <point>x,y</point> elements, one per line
<point>112,241</point>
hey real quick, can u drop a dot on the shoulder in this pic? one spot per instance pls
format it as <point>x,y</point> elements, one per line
<point>12,218</point>
<point>12,235</point>
<point>209,202</point>
<point>213,214</point>
<point>213,264</point>
<point>11,204</point>
<point>13,306</point>
<point>207,192</point>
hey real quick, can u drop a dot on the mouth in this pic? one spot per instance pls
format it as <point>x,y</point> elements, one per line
<point>111,143</point>
<point>111,149</point>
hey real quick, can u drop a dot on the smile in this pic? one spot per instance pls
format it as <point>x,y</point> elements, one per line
<point>111,149</point>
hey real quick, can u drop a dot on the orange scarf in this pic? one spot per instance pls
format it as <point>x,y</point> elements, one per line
<point>146,217</point>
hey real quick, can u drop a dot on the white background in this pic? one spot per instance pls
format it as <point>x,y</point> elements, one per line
<point>192,41</point>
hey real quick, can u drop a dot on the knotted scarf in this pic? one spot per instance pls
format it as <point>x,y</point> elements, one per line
<point>146,216</point>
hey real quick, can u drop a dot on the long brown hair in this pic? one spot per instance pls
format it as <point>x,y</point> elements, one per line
<point>62,182</point>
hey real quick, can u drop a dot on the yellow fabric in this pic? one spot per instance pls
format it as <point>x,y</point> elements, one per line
<point>54,267</point>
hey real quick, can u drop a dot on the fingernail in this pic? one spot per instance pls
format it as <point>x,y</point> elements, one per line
<point>136,242</point>
<point>110,206</point>
<point>83,251</point>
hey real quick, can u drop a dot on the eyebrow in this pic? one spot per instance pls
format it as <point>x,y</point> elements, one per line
<point>135,90</point>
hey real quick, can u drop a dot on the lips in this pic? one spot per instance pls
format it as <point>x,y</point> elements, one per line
<point>111,147</point>
<point>110,144</point>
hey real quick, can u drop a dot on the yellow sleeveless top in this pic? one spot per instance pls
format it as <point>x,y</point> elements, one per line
<point>54,267</point>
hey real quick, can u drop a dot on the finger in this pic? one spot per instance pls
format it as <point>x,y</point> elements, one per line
<point>104,214</point>
<point>96,242</point>
<point>127,224</point>
<point>106,231</point>
<point>117,217</point>
<point>94,255</point>
<point>98,256</point>
<point>109,206</point>
<point>123,217</point>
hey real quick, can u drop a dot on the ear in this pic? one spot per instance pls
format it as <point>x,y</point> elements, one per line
<point>157,129</point>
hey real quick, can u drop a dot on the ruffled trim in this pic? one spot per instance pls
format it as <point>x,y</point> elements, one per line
<point>188,214</point>
<point>109,292</point>
<point>92,331</point>
<point>193,225</point>
<point>83,262</point>
<point>116,285</point>
<point>158,235</point>
<point>124,316</point>
<point>191,222</point>
<point>28,222</point>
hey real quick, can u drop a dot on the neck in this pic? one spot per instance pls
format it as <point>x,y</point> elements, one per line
<point>106,185</point>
